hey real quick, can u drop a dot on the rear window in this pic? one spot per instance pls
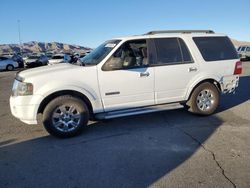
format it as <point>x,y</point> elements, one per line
<point>216,48</point>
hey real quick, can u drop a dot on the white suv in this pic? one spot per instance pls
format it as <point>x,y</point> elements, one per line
<point>157,71</point>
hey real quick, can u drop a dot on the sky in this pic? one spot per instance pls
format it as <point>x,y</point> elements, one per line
<point>91,22</point>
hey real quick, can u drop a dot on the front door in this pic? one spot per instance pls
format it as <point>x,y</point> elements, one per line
<point>125,80</point>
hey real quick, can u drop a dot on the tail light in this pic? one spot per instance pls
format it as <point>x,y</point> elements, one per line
<point>238,68</point>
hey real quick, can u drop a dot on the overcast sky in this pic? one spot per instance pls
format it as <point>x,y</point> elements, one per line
<point>89,23</point>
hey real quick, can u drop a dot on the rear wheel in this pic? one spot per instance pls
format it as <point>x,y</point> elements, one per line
<point>9,67</point>
<point>204,99</point>
<point>65,116</point>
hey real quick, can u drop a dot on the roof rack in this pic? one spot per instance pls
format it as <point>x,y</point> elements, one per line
<point>179,31</point>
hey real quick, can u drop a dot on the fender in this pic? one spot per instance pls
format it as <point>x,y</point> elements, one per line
<point>90,93</point>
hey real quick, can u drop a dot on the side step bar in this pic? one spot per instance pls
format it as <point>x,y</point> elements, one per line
<point>137,111</point>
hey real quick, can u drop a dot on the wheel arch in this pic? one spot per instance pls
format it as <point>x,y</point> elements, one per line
<point>210,80</point>
<point>9,65</point>
<point>53,95</point>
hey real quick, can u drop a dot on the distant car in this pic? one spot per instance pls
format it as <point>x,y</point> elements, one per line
<point>59,58</point>
<point>49,55</point>
<point>19,60</point>
<point>244,52</point>
<point>7,64</point>
<point>36,61</point>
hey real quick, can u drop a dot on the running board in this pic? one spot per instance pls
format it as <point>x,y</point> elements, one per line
<point>139,110</point>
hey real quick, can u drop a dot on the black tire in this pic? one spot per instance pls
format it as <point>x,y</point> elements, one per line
<point>212,94</point>
<point>9,67</point>
<point>52,108</point>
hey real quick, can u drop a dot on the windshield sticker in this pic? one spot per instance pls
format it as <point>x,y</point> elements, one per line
<point>110,45</point>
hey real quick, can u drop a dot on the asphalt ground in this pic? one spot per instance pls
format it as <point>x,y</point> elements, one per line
<point>163,149</point>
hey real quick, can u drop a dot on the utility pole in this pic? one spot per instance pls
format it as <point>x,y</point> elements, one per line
<point>19,35</point>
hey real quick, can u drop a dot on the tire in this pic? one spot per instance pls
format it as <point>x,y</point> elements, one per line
<point>65,116</point>
<point>9,67</point>
<point>204,100</point>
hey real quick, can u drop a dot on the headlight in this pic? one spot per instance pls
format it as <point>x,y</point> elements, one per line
<point>22,88</point>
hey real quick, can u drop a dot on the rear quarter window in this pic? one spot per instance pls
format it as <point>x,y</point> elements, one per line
<point>215,48</point>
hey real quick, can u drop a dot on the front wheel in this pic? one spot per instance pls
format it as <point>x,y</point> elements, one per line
<point>204,99</point>
<point>65,116</point>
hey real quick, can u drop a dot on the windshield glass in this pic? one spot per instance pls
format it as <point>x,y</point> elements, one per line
<point>98,54</point>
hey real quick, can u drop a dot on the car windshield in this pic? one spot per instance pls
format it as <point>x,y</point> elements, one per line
<point>98,54</point>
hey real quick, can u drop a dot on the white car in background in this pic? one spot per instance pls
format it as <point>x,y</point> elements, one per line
<point>8,64</point>
<point>59,58</point>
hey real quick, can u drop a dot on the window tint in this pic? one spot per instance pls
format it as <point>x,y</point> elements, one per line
<point>185,52</point>
<point>215,48</point>
<point>131,54</point>
<point>248,49</point>
<point>168,51</point>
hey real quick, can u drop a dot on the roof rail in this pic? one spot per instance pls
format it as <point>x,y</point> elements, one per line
<point>179,31</point>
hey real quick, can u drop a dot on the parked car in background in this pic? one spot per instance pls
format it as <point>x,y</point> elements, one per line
<point>244,52</point>
<point>19,60</point>
<point>8,64</point>
<point>49,55</point>
<point>36,61</point>
<point>157,71</point>
<point>59,58</point>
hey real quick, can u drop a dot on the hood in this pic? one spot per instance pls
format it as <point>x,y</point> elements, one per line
<point>46,70</point>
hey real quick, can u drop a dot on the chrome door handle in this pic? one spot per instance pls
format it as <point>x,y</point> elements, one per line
<point>144,74</point>
<point>192,69</point>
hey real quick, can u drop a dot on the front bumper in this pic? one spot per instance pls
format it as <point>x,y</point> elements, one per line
<point>24,108</point>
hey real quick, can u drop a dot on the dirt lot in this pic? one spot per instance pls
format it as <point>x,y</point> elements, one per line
<point>166,149</point>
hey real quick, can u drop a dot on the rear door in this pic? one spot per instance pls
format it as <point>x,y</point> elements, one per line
<point>174,69</point>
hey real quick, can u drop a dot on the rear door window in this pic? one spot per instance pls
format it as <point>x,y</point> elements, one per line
<point>215,48</point>
<point>168,51</point>
<point>185,52</point>
<point>171,51</point>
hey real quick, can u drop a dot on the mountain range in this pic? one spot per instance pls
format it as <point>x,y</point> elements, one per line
<point>36,47</point>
